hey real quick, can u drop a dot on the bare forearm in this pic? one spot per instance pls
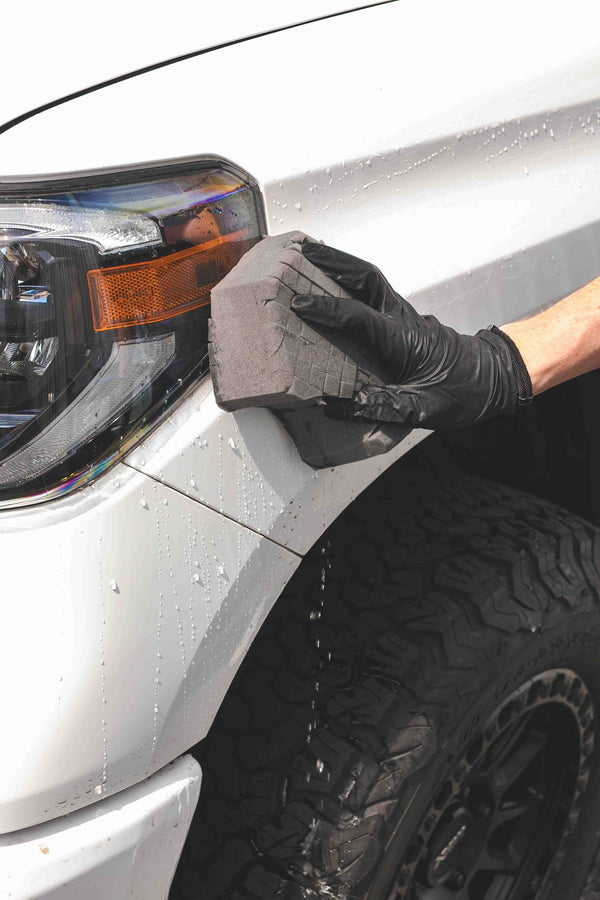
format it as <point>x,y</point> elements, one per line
<point>563,341</point>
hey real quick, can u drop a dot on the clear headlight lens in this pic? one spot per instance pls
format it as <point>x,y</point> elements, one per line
<point>104,300</point>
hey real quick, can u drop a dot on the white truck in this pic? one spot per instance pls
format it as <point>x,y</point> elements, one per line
<point>377,680</point>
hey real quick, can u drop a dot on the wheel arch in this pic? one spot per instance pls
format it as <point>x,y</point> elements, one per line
<point>360,559</point>
<point>548,450</point>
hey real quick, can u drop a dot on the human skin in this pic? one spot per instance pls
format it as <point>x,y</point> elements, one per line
<point>563,341</point>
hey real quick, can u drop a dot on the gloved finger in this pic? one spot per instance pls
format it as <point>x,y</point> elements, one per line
<point>360,278</point>
<point>339,408</point>
<point>379,332</point>
<point>334,312</point>
<point>386,403</point>
<point>390,403</point>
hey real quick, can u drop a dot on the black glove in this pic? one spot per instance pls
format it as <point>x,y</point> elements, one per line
<point>441,379</point>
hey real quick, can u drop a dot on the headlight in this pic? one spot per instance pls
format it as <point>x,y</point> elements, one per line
<point>104,300</point>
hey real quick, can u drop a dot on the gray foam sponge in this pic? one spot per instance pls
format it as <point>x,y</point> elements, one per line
<point>262,354</point>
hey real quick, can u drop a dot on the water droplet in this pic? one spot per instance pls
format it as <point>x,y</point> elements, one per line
<point>298,206</point>
<point>114,586</point>
<point>196,577</point>
<point>320,765</point>
<point>98,789</point>
<point>232,443</point>
<point>144,503</point>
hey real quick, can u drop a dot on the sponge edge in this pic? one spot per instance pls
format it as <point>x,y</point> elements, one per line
<point>262,354</point>
<point>323,442</point>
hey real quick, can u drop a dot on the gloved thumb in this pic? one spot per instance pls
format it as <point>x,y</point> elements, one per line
<point>401,404</point>
<point>382,403</point>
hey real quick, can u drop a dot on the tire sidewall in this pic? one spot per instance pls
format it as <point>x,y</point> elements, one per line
<point>572,643</point>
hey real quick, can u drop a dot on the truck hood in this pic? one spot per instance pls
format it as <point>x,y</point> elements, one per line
<point>51,50</point>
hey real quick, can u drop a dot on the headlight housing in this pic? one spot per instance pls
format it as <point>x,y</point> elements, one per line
<point>105,284</point>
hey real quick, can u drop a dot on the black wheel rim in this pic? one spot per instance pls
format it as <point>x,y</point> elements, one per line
<point>499,826</point>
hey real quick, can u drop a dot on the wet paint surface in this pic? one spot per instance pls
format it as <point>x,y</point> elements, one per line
<point>245,465</point>
<point>120,653</point>
<point>127,849</point>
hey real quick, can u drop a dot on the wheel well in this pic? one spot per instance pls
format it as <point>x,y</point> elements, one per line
<point>340,659</point>
<point>548,449</point>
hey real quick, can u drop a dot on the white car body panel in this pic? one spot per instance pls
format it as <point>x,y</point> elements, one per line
<point>55,51</point>
<point>374,133</point>
<point>467,169</point>
<point>132,609</point>
<point>125,848</point>
<point>245,465</point>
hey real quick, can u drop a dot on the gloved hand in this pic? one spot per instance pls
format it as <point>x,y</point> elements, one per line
<point>441,379</point>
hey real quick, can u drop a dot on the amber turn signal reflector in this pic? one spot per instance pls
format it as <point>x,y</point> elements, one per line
<point>161,288</point>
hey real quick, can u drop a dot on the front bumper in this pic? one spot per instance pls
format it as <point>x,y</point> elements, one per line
<point>127,846</point>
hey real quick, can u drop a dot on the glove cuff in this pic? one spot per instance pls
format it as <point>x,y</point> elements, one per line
<point>524,387</point>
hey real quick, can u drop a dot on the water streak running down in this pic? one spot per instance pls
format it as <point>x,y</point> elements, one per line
<point>159,625</point>
<point>220,473</point>
<point>190,551</point>
<point>61,612</point>
<point>100,788</point>
<point>323,655</point>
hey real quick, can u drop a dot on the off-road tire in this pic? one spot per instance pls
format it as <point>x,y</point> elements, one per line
<point>399,638</point>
